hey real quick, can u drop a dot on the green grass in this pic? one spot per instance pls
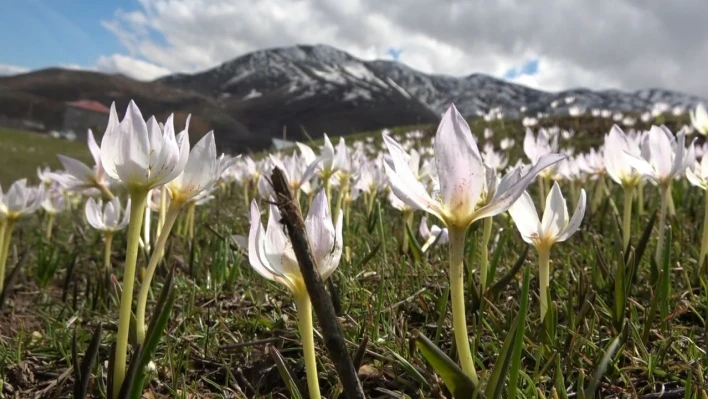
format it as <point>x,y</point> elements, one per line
<point>214,346</point>
<point>22,152</point>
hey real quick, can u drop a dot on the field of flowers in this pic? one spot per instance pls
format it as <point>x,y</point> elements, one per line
<point>528,258</point>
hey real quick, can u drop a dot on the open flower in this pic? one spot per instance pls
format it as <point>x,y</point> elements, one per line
<point>200,172</point>
<point>270,251</point>
<point>80,177</point>
<point>106,218</point>
<point>143,155</point>
<point>462,176</point>
<point>555,227</point>
<point>434,235</point>
<point>664,156</point>
<point>20,200</point>
<point>699,119</point>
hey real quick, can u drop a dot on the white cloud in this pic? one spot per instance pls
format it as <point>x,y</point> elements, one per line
<point>553,75</point>
<point>6,69</point>
<point>129,66</point>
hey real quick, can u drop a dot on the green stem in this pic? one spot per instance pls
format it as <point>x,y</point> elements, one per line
<point>662,222</point>
<point>484,255</point>
<point>190,220</point>
<point>157,254</point>
<point>7,230</point>
<point>627,216</point>
<point>137,208</point>
<point>108,244</point>
<point>407,222</point>
<point>344,188</point>
<point>245,195</point>
<point>107,194</point>
<point>672,207</point>
<point>457,295</point>
<point>640,198</point>
<point>544,272</point>
<point>541,190</point>
<point>50,226</point>
<point>704,239</point>
<point>163,210</point>
<point>304,316</point>
<point>147,227</point>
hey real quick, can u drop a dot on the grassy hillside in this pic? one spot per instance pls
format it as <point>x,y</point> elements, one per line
<point>21,152</point>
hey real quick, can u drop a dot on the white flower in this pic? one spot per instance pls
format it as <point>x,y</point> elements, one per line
<point>462,177</point>
<point>434,235</point>
<point>665,156</point>
<point>20,200</point>
<point>555,225</point>
<point>107,218</point>
<point>143,155</point>
<point>270,251</point>
<point>200,173</point>
<point>699,119</point>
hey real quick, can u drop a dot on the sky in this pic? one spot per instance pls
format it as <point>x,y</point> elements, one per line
<point>547,44</point>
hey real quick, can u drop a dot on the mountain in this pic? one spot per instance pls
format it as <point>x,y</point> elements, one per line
<point>303,91</point>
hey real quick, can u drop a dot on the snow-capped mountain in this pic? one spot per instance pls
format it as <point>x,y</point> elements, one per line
<point>305,73</point>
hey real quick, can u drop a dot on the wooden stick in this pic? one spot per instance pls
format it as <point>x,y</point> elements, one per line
<point>321,301</point>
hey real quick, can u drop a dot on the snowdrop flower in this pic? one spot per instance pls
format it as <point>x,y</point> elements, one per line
<point>554,227</point>
<point>506,144</point>
<point>200,172</point>
<point>45,176</point>
<point>575,111</point>
<point>529,121</point>
<point>678,110</point>
<point>488,133</point>
<point>645,117</point>
<point>106,217</point>
<point>271,255</point>
<point>698,176</point>
<point>20,200</point>
<point>296,171</point>
<point>53,203</point>
<point>620,169</point>
<point>606,113</point>
<point>143,155</point>
<point>80,177</point>
<point>494,159</point>
<point>665,158</point>
<point>433,235</point>
<point>463,181</point>
<point>699,119</point>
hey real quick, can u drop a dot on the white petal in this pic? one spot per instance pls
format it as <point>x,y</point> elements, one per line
<point>256,245</point>
<point>503,200</point>
<point>577,219</point>
<point>459,164</point>
<point>525,217</point>
<point>555,215</point>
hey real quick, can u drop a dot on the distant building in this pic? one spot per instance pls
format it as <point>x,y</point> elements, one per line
<point>279,144</point>
<point>79,116</point>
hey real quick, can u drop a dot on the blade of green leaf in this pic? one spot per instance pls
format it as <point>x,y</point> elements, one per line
<point>452,375</point>
<point>286,374</point>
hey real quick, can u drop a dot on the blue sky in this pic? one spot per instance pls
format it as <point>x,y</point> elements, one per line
<point>40,33</point>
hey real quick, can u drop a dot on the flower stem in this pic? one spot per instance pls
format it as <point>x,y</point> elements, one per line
<point>704,239</point>
<point>662,222</point>
<point>541,190</point>
<point>407,222</point>
<point>147,227</point>
<point>190,220</point>
<point>304,316</point>
<point>50,226</point>
<point>640,198</point>
<point>484,255</point>
<point>7,230</point>
<point>670,195</point>
<point>137,208</point>
<point>627,216</point>
<point>457,295</point>
<point>107,194</point>
<point>155,258</point>
<point>344,188</point>
<point>108,244</point>
<point>544,274</point>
